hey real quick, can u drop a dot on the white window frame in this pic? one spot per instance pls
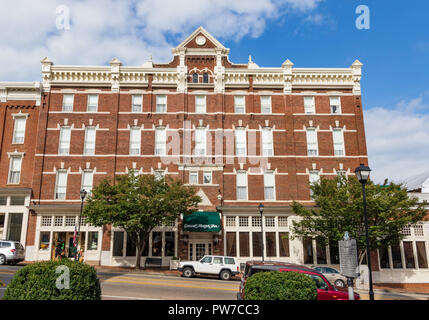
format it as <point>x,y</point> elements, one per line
<point>200,145</point>
<point>339,146</point>
<point>87,143</point>
<point>87,187</point>
<point>158,98</point>
<point>309,108</point>
<point>240,106</point>
<point>134,99</point>
<point>62,144</point>
<point>200,108</point>
<point>331,99</point>
<point>16,131</point>
<point>265,143</point>
<point>12,173</point>
<point>90,105</point>
<point>239,145</point>
<point>67,107</point>
<point>273,186</point>
<point>314,144</point>
<point>239,185</point>
<point>208,174</point>
<point>160,141</point>
<point>265,104</point>
<point>57,186</point>
<point>135,143</point>
<point>195,175</point>
<point>312,179</point>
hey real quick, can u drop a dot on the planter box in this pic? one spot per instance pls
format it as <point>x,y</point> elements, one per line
<point>174,264</point>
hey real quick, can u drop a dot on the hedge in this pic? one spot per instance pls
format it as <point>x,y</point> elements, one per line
<point>277,285</point>
<point>39,282</point>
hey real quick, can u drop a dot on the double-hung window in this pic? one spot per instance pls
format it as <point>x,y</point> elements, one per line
<point>19,130</point>
<point>200,104</point>
<point>15,170</point>
<point>267,142</point>
<point>92,103</point>
<point>206,78</point>
<point>87,179</point>
<point>200,141</point>
<point>89,148</point>
<point>265,104</point>
<point>309,105</point>
<point>137,102</point>
<point>64,147</point>
<point>61,185</point>
<point>135,141</point>
<point>314,179</point>
<point>312,146</point>
<point>240,142</point>
<point>68,100</point>
<point>207,177</point>
<point>161,104</point>
<point>193,177</point>
<point>335,105</point>
<point>338,137</point>
<point>269,189</point>
<point>160,141</point>
<point>240,104</point>
<point>241,186</point>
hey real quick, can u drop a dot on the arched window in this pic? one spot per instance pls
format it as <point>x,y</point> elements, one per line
<point>206,77</point>
<point>195,78</point>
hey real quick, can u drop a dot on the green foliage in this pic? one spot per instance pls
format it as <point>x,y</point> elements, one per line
<point>340,208</point>
<point>39,282</point>
<point>138,204</point>
<point>277,285</point>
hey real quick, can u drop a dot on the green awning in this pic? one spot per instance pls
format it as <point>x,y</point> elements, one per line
<point>202,221</point>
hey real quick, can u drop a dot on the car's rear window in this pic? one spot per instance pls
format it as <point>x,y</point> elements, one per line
<point>229,261</point>
<point>256,270</point>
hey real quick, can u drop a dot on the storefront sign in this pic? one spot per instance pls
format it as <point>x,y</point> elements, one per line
<point>202,222</point>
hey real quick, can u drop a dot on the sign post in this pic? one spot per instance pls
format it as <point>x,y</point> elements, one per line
<point>348,261</point>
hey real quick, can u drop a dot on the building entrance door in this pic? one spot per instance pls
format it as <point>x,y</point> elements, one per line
<point>199,249</point>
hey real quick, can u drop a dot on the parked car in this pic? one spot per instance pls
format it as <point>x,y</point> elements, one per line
<point>325,290</point>
<point>11,252</point>
<point>333,275</point>
<point>224,267</point>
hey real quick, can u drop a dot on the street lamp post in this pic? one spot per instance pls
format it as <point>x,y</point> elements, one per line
<point>362,173</point>
<point>83,194</point>
<point>261,211</point>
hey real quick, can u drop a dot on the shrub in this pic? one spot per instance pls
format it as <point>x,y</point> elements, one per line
<point>280,286</point>
<point>39,282</point>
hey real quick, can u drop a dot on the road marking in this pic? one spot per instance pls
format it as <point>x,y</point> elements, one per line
<point>169,285</point>
<point>128,298</point>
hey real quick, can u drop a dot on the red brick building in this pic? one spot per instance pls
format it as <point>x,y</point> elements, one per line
<point>242,134</point>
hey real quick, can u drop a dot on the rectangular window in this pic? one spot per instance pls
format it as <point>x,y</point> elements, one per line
<point>46,221</point>
<point>87,179</point>
<point>68,100</point>
<point>396,256</point>
<point>265,104</point>
<point>131,250</point>
<point>308,251</point>
<point>257,244</point>
<point>137,102</point>
<point>3,201</point>
<point>156,244</point>
<point>230,221</point>
<point>170,244</point>
<point>19,130</point>
<point>58,221</point>
<point>240,142</point>
<point>92,103</point>
<point>61,185</point>
<point>312,144</point>
<point>160,141</point>
<point>15,226</point>
<point>309,105</point>
<point>338,137</point>
<point>314,179</point>
<point>409,255</point>
<point>92,240</point>
<point>118,243</point>
<point>89,148</point>
<point>161,104</point>
<point>384,258</point>
<point>240,104</point>
<point>241,186</point>
<point>267,142</point>
<point>200,104</point>
<point>200,141</point>
<point>335,105</point>
<point>15,170</point>
<point>269,189</point>
<point>244,244</point>
<point>284,244</point>
<point>135,141</point>
<point>243,221</point>
<point>270,222</point>
<point>17,201</point>
<point>44,241</point>
<point>270,243</point>
<point>231,244</point>
<point>70,221</point>
<point>256,222</point>
<point>421,255</point>
<point>65,135</point>
<point>207,177</point>
<point>193,177</point>
<point>334,253</point>
<point>282,221</point>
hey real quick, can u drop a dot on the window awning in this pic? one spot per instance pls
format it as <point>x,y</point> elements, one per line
<point>202,221</point>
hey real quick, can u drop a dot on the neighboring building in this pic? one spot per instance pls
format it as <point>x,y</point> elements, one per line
<point>242,134</point>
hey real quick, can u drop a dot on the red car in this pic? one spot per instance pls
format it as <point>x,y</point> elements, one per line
<point>325,290</point>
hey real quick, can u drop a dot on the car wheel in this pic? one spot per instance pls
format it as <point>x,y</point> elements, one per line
<point>2,260</point>
<point>225,275</point>
<point>339,283</point>
<point>188,272</point>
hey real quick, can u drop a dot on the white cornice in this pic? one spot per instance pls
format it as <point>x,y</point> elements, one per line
<point>21,91</point>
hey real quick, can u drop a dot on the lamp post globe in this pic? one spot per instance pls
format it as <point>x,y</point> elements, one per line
<point>362,173</point>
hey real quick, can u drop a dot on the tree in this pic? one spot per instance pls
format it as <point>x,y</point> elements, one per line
<point>138,204</point>
<point>339,208</point>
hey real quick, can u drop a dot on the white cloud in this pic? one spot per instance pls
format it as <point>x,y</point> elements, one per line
<point>130,30</point>
<point>398,140</point>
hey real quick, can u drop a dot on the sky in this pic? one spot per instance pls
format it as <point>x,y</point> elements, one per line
<point>311,33</point>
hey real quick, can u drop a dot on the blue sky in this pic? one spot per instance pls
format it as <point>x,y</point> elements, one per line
<point>311,33</point>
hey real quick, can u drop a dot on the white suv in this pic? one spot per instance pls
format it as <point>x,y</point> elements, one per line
<point>11,252</point>
<point>224,267</point>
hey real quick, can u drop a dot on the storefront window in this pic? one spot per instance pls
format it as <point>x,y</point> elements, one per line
<point>156,244</point>
<point>170,244</point>
<point>131,248</point>
<point>308,251</point>
<point>257,249</point>
<point>334,253</point>
<point>321,252</point>
<point>15,227</point>
<point>409,255</point>
<point>384,258</point>
<point>284,244</point>
<point>421,255</point>
<point>17,201</point>
<point>270,241</point>
<point>118,243</point>
<point>3,201</point>
<point>92,240</point>
<point>244,244</point>
<point>396,256</point>
<point>231,244</point>
<point>44,241</point>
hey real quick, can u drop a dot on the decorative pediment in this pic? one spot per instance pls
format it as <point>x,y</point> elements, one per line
<point>204,199</point>
<point>200,39</point>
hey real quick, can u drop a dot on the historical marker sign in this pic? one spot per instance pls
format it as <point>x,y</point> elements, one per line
<point>348,258</point>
